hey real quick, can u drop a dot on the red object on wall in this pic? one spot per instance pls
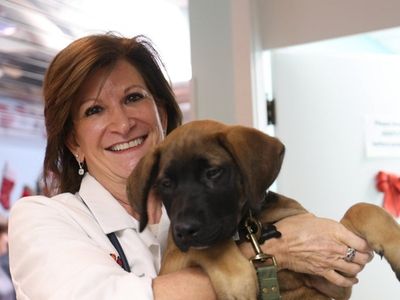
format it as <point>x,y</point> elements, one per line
<point>7,184</point>
<point>389,184</point>
<point>26,191</point>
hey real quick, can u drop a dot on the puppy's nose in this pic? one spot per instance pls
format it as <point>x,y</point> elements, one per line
<point>185,231</point>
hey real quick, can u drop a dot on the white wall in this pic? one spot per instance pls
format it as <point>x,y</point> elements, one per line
<point>225,51</point>
<point>322,101</point>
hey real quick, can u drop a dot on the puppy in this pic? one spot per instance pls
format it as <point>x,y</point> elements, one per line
<point>210,176</point>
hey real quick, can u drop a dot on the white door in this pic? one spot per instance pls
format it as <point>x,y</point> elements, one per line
<point>322,101</point>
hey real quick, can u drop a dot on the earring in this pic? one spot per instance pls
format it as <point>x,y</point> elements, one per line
<point>81,171</point>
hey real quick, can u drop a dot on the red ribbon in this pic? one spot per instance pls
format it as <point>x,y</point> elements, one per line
<point>389,184</point>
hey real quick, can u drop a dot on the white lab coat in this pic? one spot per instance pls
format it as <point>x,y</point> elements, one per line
<point>59,248</point>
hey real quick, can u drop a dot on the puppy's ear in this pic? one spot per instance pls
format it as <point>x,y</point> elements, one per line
<point>259,158</point>
<point>140,182</point>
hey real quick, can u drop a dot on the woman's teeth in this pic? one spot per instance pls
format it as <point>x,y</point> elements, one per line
<point>128,145</point>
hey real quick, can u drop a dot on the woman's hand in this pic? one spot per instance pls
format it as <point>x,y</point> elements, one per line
<point>318,246</point>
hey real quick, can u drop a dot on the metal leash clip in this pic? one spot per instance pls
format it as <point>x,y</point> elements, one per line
<point>265,265</point>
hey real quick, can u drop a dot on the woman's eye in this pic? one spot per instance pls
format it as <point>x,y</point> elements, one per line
<point>93,110</point>
<point>134,97</point>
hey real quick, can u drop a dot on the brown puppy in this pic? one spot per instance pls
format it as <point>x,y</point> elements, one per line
<point>209,175</point>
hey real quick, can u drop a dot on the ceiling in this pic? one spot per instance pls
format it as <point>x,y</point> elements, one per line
<point>32,31</point>
<point>25,49</point>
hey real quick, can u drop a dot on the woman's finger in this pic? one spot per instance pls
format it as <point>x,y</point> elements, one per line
<point>348,268</point>
<point>339,279</point>
<point>362,258</point>
<point>354,255</point>
<point>352,240</point>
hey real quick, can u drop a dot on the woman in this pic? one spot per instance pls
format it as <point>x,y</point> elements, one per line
<point>107,103</point>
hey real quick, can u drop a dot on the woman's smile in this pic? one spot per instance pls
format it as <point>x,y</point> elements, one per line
<point>127,145</point>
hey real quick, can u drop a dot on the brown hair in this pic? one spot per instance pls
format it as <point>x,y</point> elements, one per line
<point>3,224</point>
<point>66,74</point>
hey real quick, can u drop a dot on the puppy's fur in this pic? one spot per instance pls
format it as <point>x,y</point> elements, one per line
<point>209,175</point>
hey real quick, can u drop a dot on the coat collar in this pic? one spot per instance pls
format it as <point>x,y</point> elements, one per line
<point>110,215</point>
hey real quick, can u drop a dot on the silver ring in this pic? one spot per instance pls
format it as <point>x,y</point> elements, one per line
<point>350,254</point>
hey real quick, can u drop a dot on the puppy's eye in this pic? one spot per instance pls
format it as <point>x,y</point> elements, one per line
<point>214,173</point>
<point>166,183</point>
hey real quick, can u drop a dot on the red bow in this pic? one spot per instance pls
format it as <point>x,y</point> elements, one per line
<point>389,184</point>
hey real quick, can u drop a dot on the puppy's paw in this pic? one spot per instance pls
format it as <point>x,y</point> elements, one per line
<point>379,229</point>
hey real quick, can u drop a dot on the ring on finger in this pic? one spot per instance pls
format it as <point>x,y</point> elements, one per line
<point>350,254</point>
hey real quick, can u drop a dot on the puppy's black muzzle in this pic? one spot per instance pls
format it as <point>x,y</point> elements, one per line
<point>192,233</point>
<point>186,234</point>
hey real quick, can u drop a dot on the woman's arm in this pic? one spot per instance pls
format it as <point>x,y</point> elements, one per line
<point>317,246</point>
<point>308,245</point>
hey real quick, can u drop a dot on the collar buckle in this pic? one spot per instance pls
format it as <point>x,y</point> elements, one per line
<point>264,264</point>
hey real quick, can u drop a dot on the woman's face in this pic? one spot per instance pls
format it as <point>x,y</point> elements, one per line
<point>116,124</point>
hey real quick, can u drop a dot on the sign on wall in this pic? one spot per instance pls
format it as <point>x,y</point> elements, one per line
<point>382,136</point>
